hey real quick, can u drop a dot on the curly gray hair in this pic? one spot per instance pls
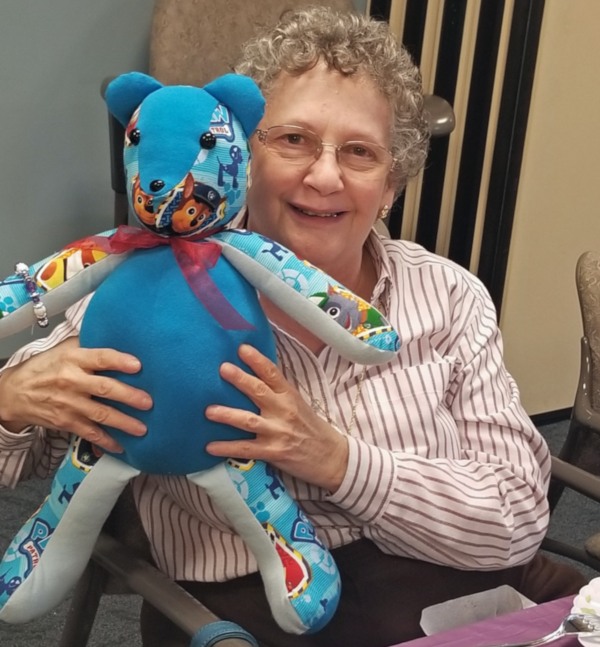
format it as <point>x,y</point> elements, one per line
<point>348,43</point>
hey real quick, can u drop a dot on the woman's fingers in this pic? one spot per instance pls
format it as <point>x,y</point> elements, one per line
<point>109,388</point>
<point>84,428</point>
<point>276,424</point>
<point>239,418</point>
<point>60,389</point>
<point>288,433</point>
<point>265,382</point>
<point>106,359</point>
<point>89,414</point>
<point>102,413</point>
<point>264,369</point>
<point>269,391</point>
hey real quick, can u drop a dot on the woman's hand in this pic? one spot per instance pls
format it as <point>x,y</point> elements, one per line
<point>54,389</point>
<point>289,434</point>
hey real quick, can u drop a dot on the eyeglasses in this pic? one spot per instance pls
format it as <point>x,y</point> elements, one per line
<point>300,146</point>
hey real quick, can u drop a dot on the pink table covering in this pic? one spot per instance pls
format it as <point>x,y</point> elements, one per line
<point>511,627</point>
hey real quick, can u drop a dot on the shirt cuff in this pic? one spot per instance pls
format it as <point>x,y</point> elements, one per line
<point>14,449</point>
<point>16,441</point>
<point>367,485</point>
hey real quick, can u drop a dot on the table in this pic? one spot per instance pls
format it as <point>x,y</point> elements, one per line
<point>512,627</point>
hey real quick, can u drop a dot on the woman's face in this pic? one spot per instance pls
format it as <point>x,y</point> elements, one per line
<point>316,210</point>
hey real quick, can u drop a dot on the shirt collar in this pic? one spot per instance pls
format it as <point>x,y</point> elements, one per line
<point>382,291</point>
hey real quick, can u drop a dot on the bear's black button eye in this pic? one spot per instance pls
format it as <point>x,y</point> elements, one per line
<point>134,136</point>
<point>208,141</point>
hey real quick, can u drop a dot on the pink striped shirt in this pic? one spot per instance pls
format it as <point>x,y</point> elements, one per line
<point>445,464</point>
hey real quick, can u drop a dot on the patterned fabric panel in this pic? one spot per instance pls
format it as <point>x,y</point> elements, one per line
<point>49,273</point>
<point>354,314</point>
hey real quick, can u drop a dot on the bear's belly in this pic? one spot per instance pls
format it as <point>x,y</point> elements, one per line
<point>146,308</point>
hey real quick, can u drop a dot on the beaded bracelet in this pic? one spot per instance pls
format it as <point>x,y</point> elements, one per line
<point>39,309</point>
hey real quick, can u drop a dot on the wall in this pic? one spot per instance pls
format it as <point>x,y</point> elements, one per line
<point>54,174</point>
<point>557,214</point>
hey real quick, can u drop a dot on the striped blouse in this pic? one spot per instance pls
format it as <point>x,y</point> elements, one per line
<point>444,466</point>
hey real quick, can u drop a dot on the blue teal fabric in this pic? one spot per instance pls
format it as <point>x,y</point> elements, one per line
<point>145,307</point>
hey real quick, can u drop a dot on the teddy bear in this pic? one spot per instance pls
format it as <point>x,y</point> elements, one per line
<point>179,291</point>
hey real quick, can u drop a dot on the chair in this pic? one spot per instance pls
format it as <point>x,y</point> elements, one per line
<point>582,444</point>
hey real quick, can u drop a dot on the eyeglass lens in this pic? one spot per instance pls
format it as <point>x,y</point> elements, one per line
<point>301,145</point>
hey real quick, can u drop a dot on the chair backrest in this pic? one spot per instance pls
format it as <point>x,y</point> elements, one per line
<point>582,443</point>
<point>587,278</point>
<point>193,41</point>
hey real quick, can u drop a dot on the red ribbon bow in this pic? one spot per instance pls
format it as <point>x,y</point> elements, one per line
<point>194,255</point>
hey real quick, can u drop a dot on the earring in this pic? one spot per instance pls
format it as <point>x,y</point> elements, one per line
<point>384,212</point>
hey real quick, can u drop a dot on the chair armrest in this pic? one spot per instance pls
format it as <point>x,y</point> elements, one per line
<point>154,586</point>
<point>576,478</point>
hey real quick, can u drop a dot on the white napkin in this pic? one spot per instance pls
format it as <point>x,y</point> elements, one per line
<point>471,608</point>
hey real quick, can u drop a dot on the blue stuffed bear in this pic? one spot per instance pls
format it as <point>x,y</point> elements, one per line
<point>180,294</point>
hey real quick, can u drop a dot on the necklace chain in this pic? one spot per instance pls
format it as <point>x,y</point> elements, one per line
<point>321,405</point>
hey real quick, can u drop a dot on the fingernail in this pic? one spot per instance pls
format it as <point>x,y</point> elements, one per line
<point>225,367</point>
<point>141,429</point>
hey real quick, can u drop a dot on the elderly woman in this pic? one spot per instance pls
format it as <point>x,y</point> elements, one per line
<point>425,475</point>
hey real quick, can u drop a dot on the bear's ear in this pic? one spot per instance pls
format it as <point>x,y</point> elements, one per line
<point>125,93</point>
<point>241,94</point>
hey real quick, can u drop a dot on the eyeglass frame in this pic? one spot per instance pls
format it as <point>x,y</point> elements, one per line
<point>262,135</point>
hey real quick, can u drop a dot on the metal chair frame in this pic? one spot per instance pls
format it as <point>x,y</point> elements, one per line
<point>578,463</point>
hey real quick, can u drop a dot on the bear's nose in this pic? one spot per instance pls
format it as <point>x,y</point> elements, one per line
<point>157,185</point>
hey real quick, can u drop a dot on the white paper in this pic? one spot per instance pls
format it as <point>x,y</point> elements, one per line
<point>471,608</point>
